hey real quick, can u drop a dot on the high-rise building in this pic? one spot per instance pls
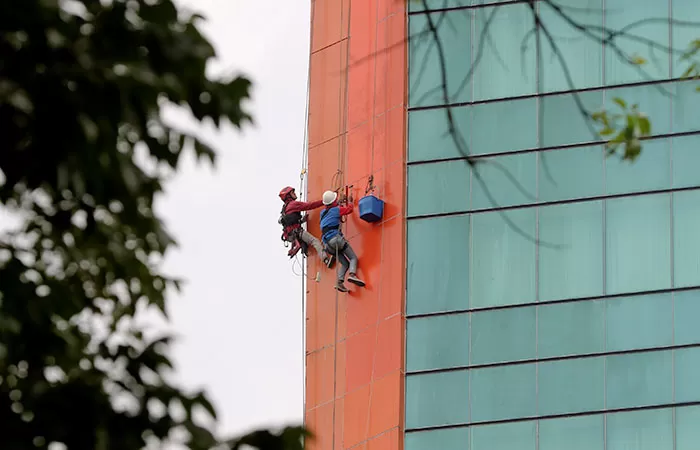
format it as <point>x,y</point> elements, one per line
<point>538,295</point>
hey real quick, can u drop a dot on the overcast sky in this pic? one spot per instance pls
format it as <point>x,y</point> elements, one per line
<point>239,317</point>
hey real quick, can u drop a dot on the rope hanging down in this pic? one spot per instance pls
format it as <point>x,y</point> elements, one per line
<point>302,191</point>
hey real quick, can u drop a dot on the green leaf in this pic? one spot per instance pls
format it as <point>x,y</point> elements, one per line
<point>689,71</point>
<point>202,400</point>
<point>203,150</point>
<point>644,126</point>
<point>638,60</point>
<point>632,150</point>
<point>620,138</point>
<point>621,103</point>
<point>598,115</point>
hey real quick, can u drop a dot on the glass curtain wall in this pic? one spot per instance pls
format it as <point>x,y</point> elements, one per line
<point>553,294</point>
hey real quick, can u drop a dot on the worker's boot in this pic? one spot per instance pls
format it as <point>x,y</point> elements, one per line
<point>294,250</point>
<point>354,280</point>
<point>340,286</point>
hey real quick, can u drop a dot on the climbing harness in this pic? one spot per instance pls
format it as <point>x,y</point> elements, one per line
<point>291,226</point>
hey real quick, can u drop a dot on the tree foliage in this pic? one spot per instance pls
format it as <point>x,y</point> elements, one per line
<point>84,153</point>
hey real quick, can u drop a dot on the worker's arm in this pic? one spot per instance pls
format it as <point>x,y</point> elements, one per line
<point>345,210</point>
<point>297,206</point>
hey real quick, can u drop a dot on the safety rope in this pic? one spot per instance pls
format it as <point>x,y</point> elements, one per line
<point>342,143</point>
<point>302,192</point>
<point>336,185</point>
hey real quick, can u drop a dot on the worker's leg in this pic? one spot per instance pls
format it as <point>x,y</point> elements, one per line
<point>352,257</point>
<point>336,244</point>
<point>312,240</point>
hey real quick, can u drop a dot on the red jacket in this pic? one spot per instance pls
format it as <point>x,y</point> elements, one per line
<point>345,210</point>
<point>297,206</point>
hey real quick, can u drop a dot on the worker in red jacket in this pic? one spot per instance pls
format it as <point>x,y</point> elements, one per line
<point>291,219</point>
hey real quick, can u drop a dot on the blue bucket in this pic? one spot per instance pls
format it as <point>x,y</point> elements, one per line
<point>371,208</point>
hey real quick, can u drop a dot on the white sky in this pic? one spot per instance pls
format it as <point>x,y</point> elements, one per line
<point>239,317</point>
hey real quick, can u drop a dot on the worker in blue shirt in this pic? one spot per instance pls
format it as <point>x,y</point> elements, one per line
<point>335,242</point>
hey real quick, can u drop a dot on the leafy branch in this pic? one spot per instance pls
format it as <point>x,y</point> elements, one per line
<point>623,132</point>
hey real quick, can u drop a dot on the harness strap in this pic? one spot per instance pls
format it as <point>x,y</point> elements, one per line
<point>330,228</point>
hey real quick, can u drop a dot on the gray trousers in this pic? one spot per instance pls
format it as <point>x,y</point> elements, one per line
<point>311,240</point>
<point>345,255</point>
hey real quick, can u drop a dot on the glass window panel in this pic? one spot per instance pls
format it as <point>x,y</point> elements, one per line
<point>428,136</point>
<point>574,267</point>
<point>687,429</point>
<point>438,4</point>
<point>683,35</point>
<point>638,254</point>
<point>504,436</point>
<point>556,379</point>
<point>510,180</point>
<point>686,160</point>
<point>582,56</point>
<point>687,374</point>
<point>639,379</point>
<point>503,392</point>
<point>503,261</point>
<point>651,171</point>
<point>686,311</point>
<point>488,133</point>
<point>503,335</point>
<point>654,100</point>
<point>437,399</point>
<point>639,322</point>
<point>425,71</point>
<point>571,328</point>
<point>438,188</point>
<point>571,173</point>
<point>437,342</point>
<point>686,239</point>
<point>686,107</point>
<point>504,68</point>
<point>622,13</point>
<point>438,264</point>
<point>573,433</point>
<point>562,120</point>
<point>448,439</point>
<point>640,430</point>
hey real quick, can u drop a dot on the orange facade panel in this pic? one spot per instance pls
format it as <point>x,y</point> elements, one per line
<point>357,123</point>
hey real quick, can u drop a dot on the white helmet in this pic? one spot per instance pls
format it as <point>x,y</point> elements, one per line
<point>329,197</point>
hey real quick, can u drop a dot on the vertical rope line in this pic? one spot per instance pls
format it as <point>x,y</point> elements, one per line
<point>381,236</point>
<point>342,142</point>
<point>302,191</point>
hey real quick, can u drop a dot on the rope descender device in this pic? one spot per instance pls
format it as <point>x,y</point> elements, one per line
<point>370,185</point>
<point>345,199</point>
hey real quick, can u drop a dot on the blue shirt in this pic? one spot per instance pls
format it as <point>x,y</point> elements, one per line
<point>330,223</point>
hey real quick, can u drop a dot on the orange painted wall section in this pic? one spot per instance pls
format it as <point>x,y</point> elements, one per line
<point>357,122</point>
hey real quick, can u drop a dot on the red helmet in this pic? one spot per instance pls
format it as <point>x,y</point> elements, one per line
<point>284,193</point>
